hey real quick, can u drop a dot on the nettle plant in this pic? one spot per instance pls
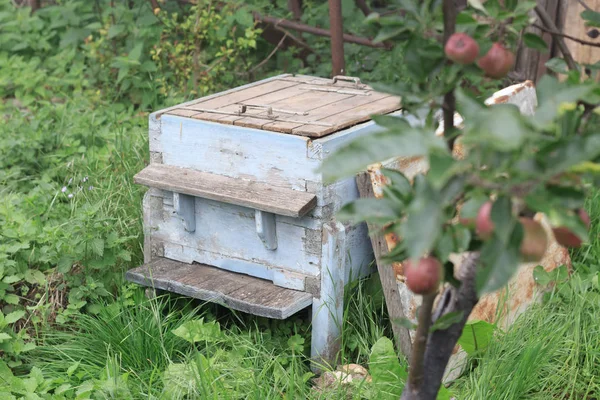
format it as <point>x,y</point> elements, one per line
<point>512,166</point>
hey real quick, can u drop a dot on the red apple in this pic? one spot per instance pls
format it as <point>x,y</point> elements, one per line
<point>425,276</point>
<point>483,222</point>
<point>461,48</point>
<point>566,237</point>
<point>497,62</point>
<point>535,240</point>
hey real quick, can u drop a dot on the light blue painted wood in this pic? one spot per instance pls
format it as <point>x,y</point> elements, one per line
<point>279,276</point>
<point>359,253</point>
<point>230,231</point>
<point>238,152</point>
<point>184,206</point>
<point>328,309</point>
<point>265,228</point>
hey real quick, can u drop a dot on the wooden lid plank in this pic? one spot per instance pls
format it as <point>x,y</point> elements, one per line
<point>306,106</point>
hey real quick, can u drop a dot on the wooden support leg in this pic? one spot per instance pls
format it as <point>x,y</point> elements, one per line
<point>327,311</point>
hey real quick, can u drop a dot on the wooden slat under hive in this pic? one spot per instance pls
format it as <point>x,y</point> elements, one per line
<point>301,105</point>
<point>237,291</point>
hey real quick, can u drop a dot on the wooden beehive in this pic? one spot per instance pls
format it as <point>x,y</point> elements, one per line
<point>237,211</point>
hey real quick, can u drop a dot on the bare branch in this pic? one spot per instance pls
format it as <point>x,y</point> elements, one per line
<point>449,107</point>
<point>573,38</point>
<point>547,20</point>
<point>585,5</point>
<point>363,6</point>
<point>415,375</point>
<point>271,54</point>
<point>440,343</point>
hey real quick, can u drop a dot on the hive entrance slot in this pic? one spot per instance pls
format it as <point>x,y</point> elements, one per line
<point>185,208</point>
<point>265,228</point>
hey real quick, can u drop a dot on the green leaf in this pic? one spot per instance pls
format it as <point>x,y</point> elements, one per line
<point>534,41</point>
<point>511,5</point>
<point>378,147</point>
<point>115,30</point>
<point>71,370</point>
<point>502,218</point>
<point>4,337</point>
<point>136,52</point>
<point>540,276</point>
<point>34,276</point>
<point>399,183</point>
<point>14,316</point>
<point>564,154</point>
<point>11,279</point>
<point>376,211</point>
<point>592,18</point>
<point>499,261</point>
<point>447,320</point>
<point>424,220</point>
<point>502,127</point>
<point>386,371</point>
<point>405,322</point>
<point>296,343</point>
<point>470,208</point>
<point>445,244</point>
<point>552,95</point>
<point>97,246</point>
<point>11,299</point>
<point>477,5</point>
<point>557,65</point>
<point>476,336</point>
<point>65,263</point>
<point>199,331</point>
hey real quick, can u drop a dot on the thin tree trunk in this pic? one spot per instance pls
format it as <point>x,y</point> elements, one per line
<point>34,5</point>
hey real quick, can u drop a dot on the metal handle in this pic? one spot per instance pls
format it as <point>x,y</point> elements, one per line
<point>346,79</point>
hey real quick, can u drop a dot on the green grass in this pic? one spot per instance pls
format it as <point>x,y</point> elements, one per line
<point>67,124</point>
<point>553,350</point>
<point>248,357</point>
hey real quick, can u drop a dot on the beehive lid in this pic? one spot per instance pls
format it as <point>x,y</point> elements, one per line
<point>297,105</point>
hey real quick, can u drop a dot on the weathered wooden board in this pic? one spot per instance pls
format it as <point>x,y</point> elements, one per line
<point>386,274</point>
<point>237,291</point>
<point>225,230</point>
<point>274,158</point>
<point>574,26</point>
<point>299,106</point>
<point>242,192</point>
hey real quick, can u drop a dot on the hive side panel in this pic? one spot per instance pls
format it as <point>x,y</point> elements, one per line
<point>277,159</point>
<point>230,231</point>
